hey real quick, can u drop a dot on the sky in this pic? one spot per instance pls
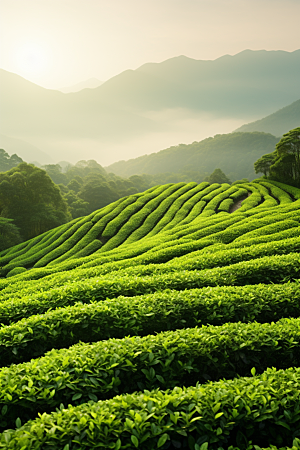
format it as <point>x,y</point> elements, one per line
<point>58,43</point>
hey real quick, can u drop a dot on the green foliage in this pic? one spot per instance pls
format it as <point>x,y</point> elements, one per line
<point>146,314</point>
<point>127,288</point>
<point>286,167</point>
<point>268,269</point>
<point>9,234</point>
<point>16,271</point>
<point>259,409</point>
<point>104,369</point>
<point>284,163</point>
<point>217,176</point>
<point>8,162</point>
<point>30,198</point>
<point>263,164</point>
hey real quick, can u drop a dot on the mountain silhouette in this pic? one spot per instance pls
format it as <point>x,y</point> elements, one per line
<point>138,106</point>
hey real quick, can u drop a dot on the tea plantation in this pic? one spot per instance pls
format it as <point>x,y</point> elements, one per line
<point>166,320</point>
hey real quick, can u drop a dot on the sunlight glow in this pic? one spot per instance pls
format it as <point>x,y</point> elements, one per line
<point>32,59</point>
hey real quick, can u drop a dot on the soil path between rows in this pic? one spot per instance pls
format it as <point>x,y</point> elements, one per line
<point>238,204</point>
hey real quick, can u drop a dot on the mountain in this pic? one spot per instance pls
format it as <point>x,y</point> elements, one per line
<point>234,153</point>
<point>278,123</point>
<point>91,83</point>
<point>26,151</point>
<point>245,83</point>
<point>159,104</point>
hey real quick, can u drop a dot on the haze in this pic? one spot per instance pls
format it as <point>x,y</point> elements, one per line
<point>60,44</point>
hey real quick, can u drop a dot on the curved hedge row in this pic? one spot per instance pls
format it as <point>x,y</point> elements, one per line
<point>235,412</point>
<point>98,371</point>
<point>146,314</point>
<point>269,269</point>
<point>163,213</point>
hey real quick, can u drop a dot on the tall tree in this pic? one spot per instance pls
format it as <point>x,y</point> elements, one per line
<point>286,166</point>
<point>29,196</point>
<point>284,163</point>
<point>263,164</point>
<point>218,176</point>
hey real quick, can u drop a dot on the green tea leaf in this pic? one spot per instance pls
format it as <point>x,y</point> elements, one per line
<point>162,440</point>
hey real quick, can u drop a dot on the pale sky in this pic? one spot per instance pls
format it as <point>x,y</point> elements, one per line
<point>58,43</point>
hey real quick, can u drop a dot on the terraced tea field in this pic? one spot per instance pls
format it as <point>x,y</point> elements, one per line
<point>168,319</point>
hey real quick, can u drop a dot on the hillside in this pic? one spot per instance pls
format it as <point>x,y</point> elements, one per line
<point>137,111</point>
<point>25,150</point>
<point>139,325</point>
<point>234,153</point>
<point>278,123</point>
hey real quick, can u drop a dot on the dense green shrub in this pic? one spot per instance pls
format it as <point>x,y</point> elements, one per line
<point>16,271</point>
<point>147,314</point>
<point>269,269</point>
<point>263,410</point>
<point>169,359</point>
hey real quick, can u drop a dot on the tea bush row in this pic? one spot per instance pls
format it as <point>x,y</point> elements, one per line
<point>183,208</point>
<point>101,370</point>
<point>261,410</point>
<point>114,225</point>
<point>282,196</point>
<point>169,213</point>
<point>46,254</point>
<point>147,314</point>
<point>217,199</point>
<point>122,230</point>
<point>270,269</point>
<point>226,204</point>
<point>39,248</point>
<point>154,216</point>
<point>243,239</point>
<point>130,251</point>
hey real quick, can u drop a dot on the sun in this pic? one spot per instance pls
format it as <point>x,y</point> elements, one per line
<point>32,59</point>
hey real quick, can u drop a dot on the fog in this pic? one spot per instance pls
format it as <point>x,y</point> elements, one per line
<point>179,126</point>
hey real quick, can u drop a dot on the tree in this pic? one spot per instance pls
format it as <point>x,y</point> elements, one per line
<point>32,200</point>
<point>77,206</point>
<point>9,234</point>
<point>97,193</point>
<point>286,166</point>
<point>8,162</point>
<point>263,164</point>
<point>55,173</point>
<point>217,177</point>
<point>284,163</point>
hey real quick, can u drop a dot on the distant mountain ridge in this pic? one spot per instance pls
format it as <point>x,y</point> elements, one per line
<point>91,83</point>
<point>138,106</point>
<point>278,123</point>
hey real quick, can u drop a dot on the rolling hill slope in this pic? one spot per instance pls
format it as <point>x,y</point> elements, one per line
<point>147,319</point>
<point>233,153</point>
<point>278,123</point>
